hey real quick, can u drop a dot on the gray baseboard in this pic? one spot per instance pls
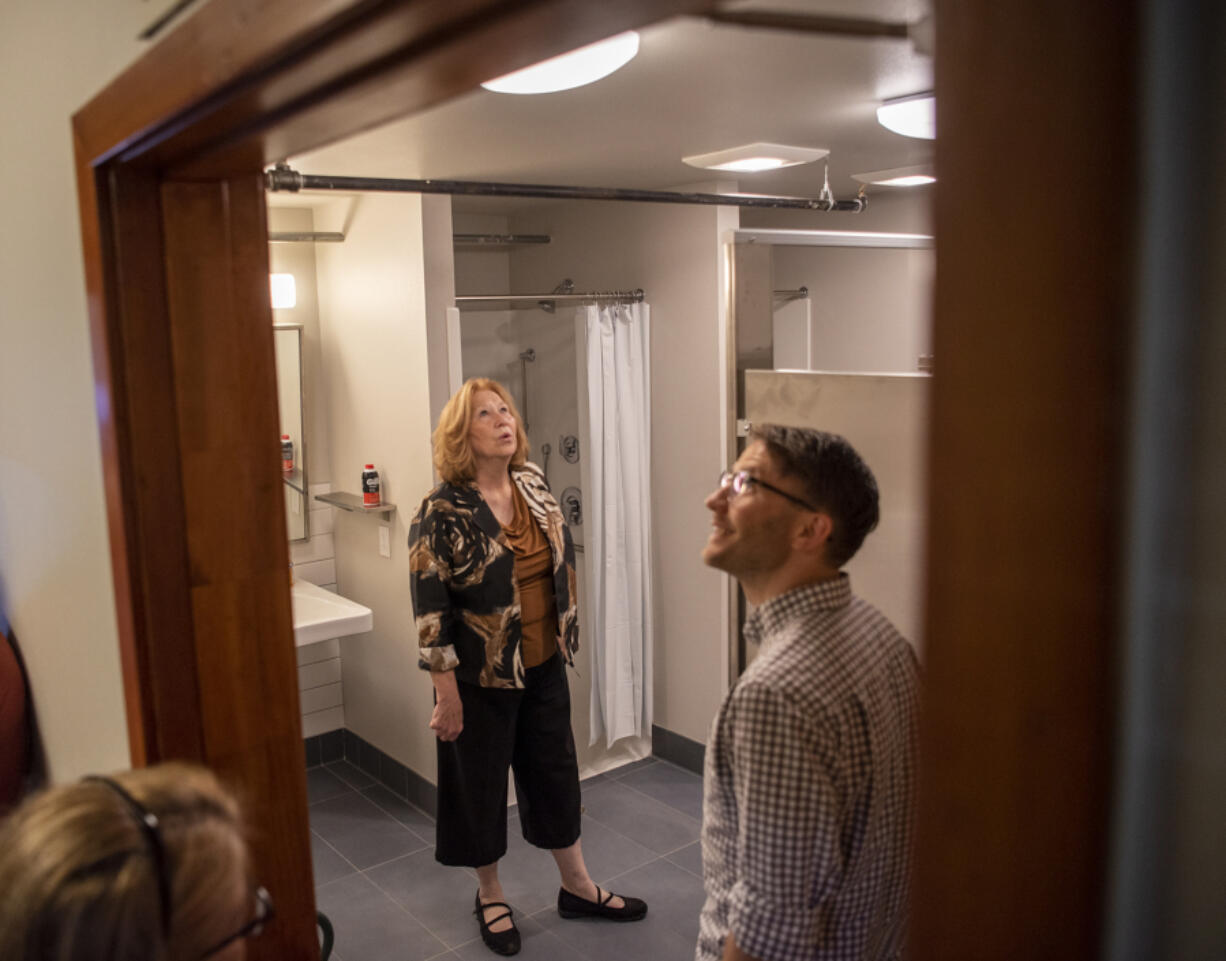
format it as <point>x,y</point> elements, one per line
<point>406,783</point>
<point>324,748</point>
<point>678,749</point>
<point>343,744</point>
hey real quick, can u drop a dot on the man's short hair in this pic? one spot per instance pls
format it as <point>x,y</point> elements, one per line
<point>836,480</point>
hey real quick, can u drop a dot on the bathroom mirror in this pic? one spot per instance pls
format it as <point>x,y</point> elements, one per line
<point>288,344</point>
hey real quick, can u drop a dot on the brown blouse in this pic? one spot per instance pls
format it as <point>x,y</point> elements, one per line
<point>534,577</point>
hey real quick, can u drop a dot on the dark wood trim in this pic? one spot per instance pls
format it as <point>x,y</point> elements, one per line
<point>1036,160</point>
<point>141,465</point>
<point>244,708</point>
<point>211,102</point>
<point>162,601</point>
<point>111,398</point>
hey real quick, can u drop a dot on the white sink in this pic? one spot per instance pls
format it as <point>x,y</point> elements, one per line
<point>320,615</point>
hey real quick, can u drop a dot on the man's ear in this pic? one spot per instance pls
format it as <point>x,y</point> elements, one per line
<point>814,533</point>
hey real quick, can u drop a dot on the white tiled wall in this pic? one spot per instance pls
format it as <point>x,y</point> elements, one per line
<point>319,665</point>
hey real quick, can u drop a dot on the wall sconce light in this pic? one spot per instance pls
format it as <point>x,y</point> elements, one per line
<point>284,294</point>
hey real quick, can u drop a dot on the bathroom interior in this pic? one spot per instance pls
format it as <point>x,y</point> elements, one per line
<point>754,313</point>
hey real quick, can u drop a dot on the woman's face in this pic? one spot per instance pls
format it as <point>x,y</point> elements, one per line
<point>491,431</point>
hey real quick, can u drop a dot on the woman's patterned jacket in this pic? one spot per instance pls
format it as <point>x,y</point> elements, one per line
<point>465,598</point>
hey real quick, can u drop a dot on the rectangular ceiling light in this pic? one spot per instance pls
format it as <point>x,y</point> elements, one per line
<point>752,157</point>
<point>899,176</point>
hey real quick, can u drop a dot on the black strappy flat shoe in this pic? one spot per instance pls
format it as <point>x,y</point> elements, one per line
<point>573,906</point>
<point>501,942</point>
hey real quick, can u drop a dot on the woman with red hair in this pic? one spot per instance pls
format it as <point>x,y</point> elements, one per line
<point>493,583</point>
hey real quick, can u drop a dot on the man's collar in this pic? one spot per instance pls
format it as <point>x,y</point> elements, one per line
<point>823,595</point>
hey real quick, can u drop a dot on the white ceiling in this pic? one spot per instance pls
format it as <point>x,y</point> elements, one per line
<point>695,87</point>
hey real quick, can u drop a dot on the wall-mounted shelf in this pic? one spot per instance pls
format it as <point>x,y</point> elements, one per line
<point>353,503</point>
<point>294,479</point>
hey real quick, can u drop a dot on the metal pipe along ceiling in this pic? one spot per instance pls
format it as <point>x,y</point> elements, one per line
<point>282,177</point>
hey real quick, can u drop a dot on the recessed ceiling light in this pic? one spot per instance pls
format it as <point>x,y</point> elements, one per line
<point>898,176</point>
<point>756,156</point>
<point>569,70</point>
<point>914,116</point>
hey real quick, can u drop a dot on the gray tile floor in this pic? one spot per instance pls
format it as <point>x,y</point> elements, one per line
<point>389,900</point>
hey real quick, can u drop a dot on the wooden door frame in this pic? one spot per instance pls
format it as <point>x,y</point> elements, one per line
<point>169,157</point>
<point>169,163</point>
<point>1031,406</point>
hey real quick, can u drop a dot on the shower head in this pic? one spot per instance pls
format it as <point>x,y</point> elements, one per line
<point>528,354</point>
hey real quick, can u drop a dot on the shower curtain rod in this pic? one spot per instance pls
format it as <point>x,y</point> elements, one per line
<point>627,296</point>
<point>283,177</point>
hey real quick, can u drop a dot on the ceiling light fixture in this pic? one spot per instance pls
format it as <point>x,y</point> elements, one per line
<point>752,157</point>
<point>898,176</point>
<point>914,116</point>
<point>569,70</point>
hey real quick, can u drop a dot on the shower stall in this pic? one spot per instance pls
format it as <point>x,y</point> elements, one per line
<point>534,346</point>
<point>528,344</point>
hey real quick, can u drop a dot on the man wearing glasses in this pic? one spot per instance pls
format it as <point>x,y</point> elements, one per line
<point>810,766</point>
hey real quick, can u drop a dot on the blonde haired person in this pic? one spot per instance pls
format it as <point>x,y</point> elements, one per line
<point>493,583</point>
<point>146,865</point>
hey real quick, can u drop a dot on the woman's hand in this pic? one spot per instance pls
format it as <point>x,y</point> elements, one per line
<point>447,721</point>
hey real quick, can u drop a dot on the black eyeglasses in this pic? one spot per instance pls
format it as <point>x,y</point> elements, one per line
<point>151,828</point>
<point>264,913</point>
<point>735,484</point>
<point>149,825</point>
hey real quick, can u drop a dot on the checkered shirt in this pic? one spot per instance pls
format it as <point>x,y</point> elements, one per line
<point>809,785</point>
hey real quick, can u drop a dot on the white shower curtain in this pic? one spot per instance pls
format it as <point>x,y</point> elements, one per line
<point>618,518</point>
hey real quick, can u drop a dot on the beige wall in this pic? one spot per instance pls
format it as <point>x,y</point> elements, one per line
<point>869,308</point>
<point>488,347</point>
<point>374,372</point>
<point>55,574</point>
<point>439,267</point>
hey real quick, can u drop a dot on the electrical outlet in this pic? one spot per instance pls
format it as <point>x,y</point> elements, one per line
<point>385,540</point>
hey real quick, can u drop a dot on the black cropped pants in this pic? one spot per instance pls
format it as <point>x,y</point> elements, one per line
<point>527,731</point>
